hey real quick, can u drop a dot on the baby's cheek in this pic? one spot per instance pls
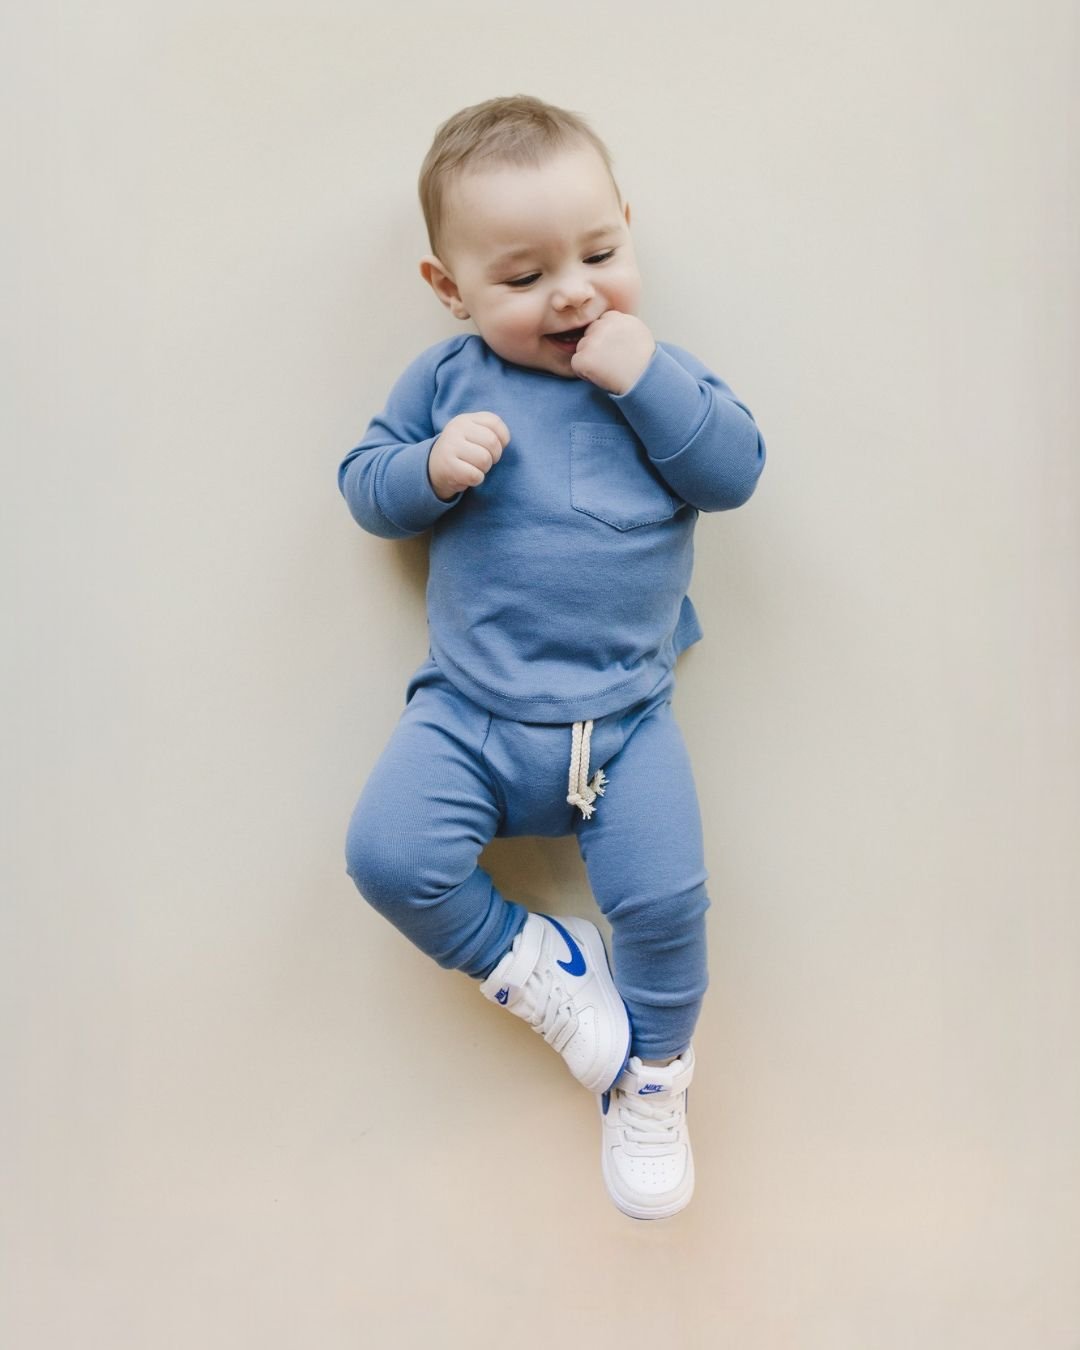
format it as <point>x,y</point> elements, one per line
<point>630,294</point>
<point>523,321</point>
<point>526,329</point>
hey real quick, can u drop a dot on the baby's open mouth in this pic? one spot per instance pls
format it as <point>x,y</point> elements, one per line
<point>568,338</point>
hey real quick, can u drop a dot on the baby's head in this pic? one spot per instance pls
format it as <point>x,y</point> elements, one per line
<point>529,234</point>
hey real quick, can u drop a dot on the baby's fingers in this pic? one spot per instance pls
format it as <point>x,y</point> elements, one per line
<point>467,474</point>
<point>482,448</point>
<point>497,425</point>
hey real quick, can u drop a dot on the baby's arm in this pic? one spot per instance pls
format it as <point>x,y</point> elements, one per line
<point>384,479</point>
<point>404,475</point>
<point>699,437</point>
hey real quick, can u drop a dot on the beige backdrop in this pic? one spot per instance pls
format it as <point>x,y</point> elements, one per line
<point>239,1110</point>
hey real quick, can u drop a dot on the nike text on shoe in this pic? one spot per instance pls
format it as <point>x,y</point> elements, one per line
<point>556,977</point>
<point>646,1159</point>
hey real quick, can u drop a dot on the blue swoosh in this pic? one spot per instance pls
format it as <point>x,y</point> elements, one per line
<point>576,965</point>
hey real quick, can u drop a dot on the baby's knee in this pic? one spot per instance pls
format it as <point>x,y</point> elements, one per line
<point>374,858</point>
<point>407,860</point>
<point>675,907</point>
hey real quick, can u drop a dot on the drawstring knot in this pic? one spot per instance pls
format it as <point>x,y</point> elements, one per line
<point>582,793</point>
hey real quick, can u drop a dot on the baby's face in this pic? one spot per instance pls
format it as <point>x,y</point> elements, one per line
<point>573,256</point>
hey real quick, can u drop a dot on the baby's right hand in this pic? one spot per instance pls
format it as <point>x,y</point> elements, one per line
<point>464,452</point>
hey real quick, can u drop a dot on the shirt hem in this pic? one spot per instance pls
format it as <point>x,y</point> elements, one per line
<point>544,707</point>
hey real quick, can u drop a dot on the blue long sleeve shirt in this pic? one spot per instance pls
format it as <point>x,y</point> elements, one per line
<point>557,588</point>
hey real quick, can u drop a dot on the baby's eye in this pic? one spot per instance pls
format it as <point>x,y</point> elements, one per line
<point>528,281</point>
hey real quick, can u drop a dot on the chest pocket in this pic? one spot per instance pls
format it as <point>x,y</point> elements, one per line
<point>612,480</point>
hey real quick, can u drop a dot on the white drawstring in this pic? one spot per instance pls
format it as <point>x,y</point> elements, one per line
<point>582,793</point>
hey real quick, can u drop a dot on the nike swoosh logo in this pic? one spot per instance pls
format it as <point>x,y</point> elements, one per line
<point>650,1087</point>
<point>576,965</point>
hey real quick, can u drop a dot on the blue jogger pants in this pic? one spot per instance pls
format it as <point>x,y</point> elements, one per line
<point>453,776</point>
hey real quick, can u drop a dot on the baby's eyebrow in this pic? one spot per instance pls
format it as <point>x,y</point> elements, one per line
<point>524,250</point>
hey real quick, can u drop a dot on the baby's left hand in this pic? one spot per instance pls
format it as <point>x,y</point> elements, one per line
<point>614,351</point>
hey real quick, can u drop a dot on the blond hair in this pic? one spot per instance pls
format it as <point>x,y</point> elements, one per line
<point>512,129</point>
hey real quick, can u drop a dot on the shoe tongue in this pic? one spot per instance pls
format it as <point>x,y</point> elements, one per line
<point>650,1080</point>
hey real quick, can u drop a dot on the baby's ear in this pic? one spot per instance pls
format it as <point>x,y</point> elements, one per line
<point>443,284</point>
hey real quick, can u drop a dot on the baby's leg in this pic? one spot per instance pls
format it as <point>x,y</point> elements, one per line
<point>644,855</point>
<point>427,810</point>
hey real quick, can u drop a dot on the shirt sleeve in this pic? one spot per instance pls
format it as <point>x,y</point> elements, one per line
<point>698,436</point>
<point>385,479</point>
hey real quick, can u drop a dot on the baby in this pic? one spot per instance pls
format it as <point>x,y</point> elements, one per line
<point>560,456</point>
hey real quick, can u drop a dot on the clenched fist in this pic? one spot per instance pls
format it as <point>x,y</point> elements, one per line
<point>614,352</point>
<point>464,452</point>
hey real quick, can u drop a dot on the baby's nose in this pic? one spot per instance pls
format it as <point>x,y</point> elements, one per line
<point>574,293</point>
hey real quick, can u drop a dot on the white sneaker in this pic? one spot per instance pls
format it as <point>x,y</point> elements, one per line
<point>556,977</point>
<point>646,1159</point>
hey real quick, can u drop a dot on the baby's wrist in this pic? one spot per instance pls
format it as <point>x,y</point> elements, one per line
<point>446,492</point>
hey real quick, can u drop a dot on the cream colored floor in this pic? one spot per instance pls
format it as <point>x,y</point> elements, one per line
<point>296,1133</point>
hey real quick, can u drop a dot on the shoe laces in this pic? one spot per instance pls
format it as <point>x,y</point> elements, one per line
<point>650,1120</point>
<point>550,1012</point>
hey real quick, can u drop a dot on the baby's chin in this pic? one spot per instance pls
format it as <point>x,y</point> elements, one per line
<point>550,357</point>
